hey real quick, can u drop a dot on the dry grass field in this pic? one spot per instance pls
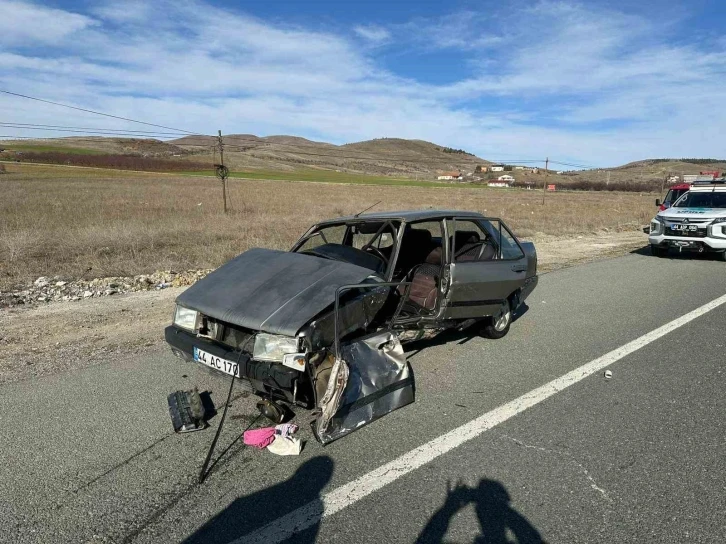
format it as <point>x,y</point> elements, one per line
<point>86,223</point>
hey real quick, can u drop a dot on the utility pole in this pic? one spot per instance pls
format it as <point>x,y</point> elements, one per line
<point>544,185</point>
<point>222,170</point>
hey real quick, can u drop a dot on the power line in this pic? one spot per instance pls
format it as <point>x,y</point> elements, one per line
<point>34,126</point>
<point>94,112</point>
<point>87,132</point>
<point>574,165</point>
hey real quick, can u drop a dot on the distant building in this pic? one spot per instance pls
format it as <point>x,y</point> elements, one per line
<point>450,175</point>
<point>519,167</point>
<point>496,168</point>
<point>498,184</point>
<point>534,170</point>
<point>506,177</point>
<point>714,173</point>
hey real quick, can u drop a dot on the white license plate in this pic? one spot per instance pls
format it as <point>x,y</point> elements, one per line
<point>212,361</point>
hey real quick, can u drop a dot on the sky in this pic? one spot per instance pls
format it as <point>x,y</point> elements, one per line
<point>597,83</point>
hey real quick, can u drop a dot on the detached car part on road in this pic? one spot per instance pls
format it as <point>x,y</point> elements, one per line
<point>321,326</point>
<point>696,222</point>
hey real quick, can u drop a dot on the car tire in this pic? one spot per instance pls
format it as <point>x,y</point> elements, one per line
<point>658,251</point>
<point>497,326</point>
<point>721,256</point>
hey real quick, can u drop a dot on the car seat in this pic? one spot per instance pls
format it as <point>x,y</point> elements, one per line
<point>424,289</point>
<point>416,244</point>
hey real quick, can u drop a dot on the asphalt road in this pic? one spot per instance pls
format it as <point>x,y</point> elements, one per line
<point>89,455</point>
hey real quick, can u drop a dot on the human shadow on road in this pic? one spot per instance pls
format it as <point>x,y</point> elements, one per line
<point>251,512</point>
<point>497,518</point>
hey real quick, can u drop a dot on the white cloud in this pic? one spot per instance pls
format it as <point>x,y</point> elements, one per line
<point>569,81</point>
<point>373,33</point>
<point>22,23</point>
<point>129,11</point>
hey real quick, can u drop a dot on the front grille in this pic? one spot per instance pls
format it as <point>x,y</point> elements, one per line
<point>236,337</point>
<point>700,232</point>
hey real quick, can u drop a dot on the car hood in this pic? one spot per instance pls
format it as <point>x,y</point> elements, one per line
<point>696,213</point>
<point>271,291</point>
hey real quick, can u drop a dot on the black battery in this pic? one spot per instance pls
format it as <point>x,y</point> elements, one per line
<point>187,411</point>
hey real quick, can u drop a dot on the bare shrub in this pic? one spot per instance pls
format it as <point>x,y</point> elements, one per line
<point>120,162</point>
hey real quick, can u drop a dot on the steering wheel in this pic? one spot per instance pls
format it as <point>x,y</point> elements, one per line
<point>469,247</point>
<point>482,244</point>
<point>377,252</point>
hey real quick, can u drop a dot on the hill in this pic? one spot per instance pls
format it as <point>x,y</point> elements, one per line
<point>384,156</point>
<point>293,155</point>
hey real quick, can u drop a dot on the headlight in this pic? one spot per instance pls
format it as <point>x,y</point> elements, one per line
<point>720,230</point>
<point>273,347</point>
<point>656,225</point>
<point>186,318</point>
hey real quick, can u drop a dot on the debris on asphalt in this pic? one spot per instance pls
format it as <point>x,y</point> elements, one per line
<point>285,445</point>
<point>278,439</point>
<point>608,374</point>
<point>187,411</point>
<point>286,430</point>
<point>259,438</point>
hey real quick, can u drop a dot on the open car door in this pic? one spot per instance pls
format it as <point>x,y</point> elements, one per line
<point>369,379</point>
<point>486,265</point>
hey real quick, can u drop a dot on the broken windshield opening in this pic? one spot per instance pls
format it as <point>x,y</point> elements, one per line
<point>369,244</point>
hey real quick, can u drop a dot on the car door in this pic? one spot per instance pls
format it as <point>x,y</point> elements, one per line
<point>481,279</point>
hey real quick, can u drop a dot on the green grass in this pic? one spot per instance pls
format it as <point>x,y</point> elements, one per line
<point>51,149</point>
<point>328,176</point>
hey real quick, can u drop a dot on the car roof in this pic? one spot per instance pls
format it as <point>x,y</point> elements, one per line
<point>406,215</point>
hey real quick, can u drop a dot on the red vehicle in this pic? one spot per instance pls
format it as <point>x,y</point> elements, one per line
<point>672,195</point>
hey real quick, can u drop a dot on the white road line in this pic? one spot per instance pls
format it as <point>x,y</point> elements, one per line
<point>336,500</point>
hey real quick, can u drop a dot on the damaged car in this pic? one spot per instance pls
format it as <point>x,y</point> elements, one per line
<point>321,326</point>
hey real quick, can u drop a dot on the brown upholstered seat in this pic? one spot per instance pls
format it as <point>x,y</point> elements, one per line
<point>425,281</point>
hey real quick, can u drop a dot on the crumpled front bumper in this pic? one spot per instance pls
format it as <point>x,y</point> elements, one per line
<point>265,377</point>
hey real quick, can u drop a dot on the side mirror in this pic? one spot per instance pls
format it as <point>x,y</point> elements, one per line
<point>657,202</point>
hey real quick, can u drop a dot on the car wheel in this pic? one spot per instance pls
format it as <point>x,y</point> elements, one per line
<point>497,326</point>
<point>658,251</point>
<point>721,256</point>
